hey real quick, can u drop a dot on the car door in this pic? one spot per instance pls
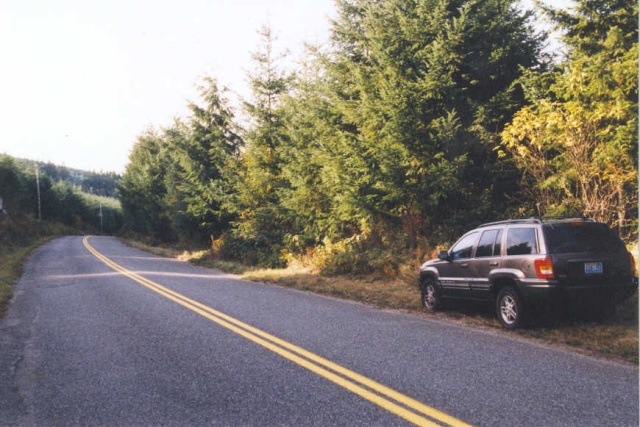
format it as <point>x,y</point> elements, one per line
<point>454,274</point>
<point>487,257</point>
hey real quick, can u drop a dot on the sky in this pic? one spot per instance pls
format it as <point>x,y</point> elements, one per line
<point>81,79</point>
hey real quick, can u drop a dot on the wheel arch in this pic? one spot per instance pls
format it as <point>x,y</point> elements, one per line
<point>429,274</point>
<point>502,277</point>
<point>502,281</point>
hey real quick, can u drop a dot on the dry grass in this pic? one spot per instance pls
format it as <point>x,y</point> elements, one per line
<point>615,339</point>
<point>10,264</point>
<point>10,268</point>
<point>381,293</point>
<point>6,289</point>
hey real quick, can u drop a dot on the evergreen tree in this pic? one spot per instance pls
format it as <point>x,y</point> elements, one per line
<point>14,188</point>
<point>178,181</point>
<point>424,87</point>
<point>312,196</point>
<point>142,189</point>
<point>187,228</point>
<point>258,204</point>
<point>101,184</point>
<point>206,158</point>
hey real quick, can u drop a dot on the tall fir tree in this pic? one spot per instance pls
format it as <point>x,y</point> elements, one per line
<point>424,87</point>
<point>261,216</point>
<point>179,181</point>
<point>206,160</point>
<point>142,189</point>
<point>312,197</point>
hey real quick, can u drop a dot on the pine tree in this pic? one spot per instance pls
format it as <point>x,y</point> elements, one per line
<point>424,87</point>
<point>261,215</point>
<point>142,189</point>
<point>206,152</point>
<point>312,196</point>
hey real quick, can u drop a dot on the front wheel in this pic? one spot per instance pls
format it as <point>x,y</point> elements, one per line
<point>509,308</point>
<point>431,299</point>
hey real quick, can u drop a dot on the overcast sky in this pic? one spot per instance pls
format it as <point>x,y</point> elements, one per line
<point>81,79</point>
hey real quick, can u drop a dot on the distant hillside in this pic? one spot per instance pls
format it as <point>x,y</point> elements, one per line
<point>97,183</point>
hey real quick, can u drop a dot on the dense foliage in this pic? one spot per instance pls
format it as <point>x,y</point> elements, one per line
<point>576,142</point>
<point>59,201</point>
<point>421,119</point>
<point>179,181</point>
<point>98,183</point>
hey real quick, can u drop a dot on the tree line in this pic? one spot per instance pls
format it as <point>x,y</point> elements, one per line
<point>103,184</point>
<point>421,119</point>
<point>50,196</point>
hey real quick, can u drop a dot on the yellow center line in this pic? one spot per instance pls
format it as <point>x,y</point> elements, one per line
<point>350,380</point>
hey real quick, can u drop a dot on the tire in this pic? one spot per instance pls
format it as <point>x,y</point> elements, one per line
<point>509,308</point>
<point>430,292</point>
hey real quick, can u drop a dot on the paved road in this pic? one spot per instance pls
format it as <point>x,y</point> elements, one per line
<point>103,334</point>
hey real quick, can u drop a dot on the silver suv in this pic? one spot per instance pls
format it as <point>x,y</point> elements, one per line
<point>527,263</point>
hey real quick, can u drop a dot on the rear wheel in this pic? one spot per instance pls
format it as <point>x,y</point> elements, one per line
<point>431,298</point>
<point>509,308</point>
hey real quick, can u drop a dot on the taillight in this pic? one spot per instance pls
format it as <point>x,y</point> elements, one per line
<point>544,268</point>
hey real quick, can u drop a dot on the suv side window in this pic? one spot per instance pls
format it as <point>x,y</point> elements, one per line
<point>489,244</point>
<point>497,249</point>
<point>521,241</point>
<point>464,247</point>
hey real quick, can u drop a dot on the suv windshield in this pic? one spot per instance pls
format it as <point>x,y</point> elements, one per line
<point>581,237</point>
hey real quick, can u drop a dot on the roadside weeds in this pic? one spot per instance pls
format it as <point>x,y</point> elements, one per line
<point>10,270</point>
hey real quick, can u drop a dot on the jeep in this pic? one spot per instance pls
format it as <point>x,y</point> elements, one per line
<point>521,264</point>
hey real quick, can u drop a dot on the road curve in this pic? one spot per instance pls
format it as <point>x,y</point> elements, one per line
<point>102,334</point>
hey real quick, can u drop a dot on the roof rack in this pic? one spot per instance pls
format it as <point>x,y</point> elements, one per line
<point>532,220</point>
<point>535,220</point>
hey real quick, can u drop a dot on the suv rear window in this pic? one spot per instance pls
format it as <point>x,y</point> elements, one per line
<point>581,237</point>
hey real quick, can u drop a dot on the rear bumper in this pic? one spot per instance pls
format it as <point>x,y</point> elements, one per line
<point>536,291</point>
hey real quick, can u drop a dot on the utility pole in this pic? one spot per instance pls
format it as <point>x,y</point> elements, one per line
<point>101,218</point>
<point>38,192</point>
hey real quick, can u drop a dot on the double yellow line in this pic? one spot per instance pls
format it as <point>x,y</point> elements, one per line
<point>385,397</point>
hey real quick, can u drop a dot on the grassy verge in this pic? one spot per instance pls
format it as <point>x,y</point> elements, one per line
<point>18,237</point>
<point>615,339</point>
<point>10,268</point>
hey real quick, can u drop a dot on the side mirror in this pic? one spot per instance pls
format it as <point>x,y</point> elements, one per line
<point>443,255</point>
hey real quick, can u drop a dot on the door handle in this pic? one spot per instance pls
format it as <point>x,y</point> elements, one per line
<point>493,264</point>
<point>464,265</point>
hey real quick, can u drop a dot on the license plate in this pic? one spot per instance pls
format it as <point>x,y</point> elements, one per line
<point>593,268</point>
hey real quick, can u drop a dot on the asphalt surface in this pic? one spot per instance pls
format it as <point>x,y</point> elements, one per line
<point>86,345</point>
